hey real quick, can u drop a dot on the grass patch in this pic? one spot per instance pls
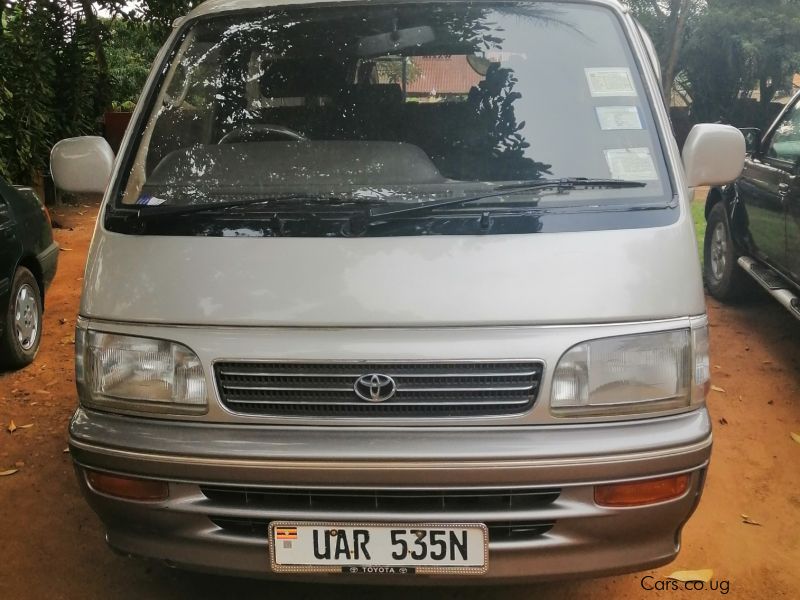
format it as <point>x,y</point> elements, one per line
<point>698,214</point>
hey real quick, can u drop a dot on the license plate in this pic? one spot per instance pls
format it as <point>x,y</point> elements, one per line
<point>379,548</point>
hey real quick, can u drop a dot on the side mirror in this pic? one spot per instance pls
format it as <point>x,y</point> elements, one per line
<point>713,155</point>
<point>82,165</point>
<point>752,139</point>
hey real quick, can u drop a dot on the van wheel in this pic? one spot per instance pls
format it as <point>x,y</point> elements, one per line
<point>22,330</point>
<point>725,280</point>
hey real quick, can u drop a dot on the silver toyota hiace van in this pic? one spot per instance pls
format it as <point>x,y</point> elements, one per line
<point>396,291</point>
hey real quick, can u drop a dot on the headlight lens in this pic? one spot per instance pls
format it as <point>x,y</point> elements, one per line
<point>632,374</point>
<point>140,374</point>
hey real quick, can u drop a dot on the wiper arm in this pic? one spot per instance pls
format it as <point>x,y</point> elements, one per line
<point>571,183</point>
<point>560,185</point>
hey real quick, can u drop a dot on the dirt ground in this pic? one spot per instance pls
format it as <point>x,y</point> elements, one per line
<point>51,544</point>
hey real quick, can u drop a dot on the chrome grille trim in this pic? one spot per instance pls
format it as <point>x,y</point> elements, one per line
<point>357,374</point>
<point>268,388</point>
<point>423,389</point>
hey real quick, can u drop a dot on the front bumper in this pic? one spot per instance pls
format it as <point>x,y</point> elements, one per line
<point>48,260</point>
<point>582,539</point>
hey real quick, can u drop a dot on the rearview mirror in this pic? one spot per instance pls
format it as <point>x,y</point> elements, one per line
<point>82,165</point>
<point>713,155</point>
<point>752,139</point>
<point>393,41</point>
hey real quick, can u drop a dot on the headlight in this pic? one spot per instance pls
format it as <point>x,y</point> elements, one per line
<point>138,374</point>
<point>633,374</point>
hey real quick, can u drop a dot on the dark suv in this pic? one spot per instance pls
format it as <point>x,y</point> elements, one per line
<point>28,260</point>
<point>753,228</point>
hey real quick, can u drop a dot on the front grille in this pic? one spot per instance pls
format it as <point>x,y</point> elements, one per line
<point>447,389</point>
<point>510,514</point>
<point>410,501</point>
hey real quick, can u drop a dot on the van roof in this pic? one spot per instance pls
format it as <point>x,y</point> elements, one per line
<point>223,6</point>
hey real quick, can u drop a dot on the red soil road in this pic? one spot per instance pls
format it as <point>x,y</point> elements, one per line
<point>51,544</point>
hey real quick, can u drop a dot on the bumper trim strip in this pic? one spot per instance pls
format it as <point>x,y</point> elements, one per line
<point>396,465</point>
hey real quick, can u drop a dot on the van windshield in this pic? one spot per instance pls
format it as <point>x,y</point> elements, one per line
<point>381,105</point>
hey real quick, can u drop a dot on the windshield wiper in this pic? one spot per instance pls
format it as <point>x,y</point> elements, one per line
<point>322,200</point>
<point>560,185</point>
<point>145,211</point>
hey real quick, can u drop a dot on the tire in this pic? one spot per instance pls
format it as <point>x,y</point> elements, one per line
<point>724,279</point>
<point>22,327</point>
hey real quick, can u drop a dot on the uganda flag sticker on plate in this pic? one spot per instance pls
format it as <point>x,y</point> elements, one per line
<point>286,533</point>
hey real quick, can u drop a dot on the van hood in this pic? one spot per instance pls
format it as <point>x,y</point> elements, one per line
<point>544,278</point>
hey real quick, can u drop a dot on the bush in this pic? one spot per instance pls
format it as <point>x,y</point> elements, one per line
<point>49,88</point>
<point>131,47</point>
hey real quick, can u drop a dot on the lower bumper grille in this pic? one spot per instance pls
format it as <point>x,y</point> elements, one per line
<point>506,512</point>
<point>396,389</point>
<point>498,532</point>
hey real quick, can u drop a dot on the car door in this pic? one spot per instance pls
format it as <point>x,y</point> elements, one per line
<point>769,182</point>
<point>793,236</point>
<point>9,253</point>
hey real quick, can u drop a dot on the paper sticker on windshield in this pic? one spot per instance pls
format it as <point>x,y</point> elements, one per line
<point>610,82</point>
<point>618,117</point>
<point>631,164</point>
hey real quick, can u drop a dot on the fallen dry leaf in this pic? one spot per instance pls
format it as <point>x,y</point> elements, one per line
<point>748,521</point>
<point>65,451</point>
<point>12,427</point>
<point>9,472</point>
<point>716,388</point>
<point>703,575</point>
<point>26,426</point>
<point>795,436</point>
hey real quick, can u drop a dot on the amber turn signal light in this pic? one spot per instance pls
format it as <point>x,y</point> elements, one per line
<point>128,488</point>
<point>639,493</point>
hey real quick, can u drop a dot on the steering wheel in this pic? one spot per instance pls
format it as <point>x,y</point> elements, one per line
<point>252,131</point>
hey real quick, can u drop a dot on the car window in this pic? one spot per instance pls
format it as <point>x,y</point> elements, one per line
<point>785,143</point>
<point>324,112</point>
<point>399,102</point>
<point>5,212</point>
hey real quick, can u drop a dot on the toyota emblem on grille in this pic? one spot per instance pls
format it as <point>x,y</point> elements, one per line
<point>375,387</point>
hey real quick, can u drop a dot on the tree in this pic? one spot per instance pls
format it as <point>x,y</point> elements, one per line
<point>131,46</point>
<point>738,47</point>
<point>62,67</point>
<point>48,84</point>
<point>669,23</point>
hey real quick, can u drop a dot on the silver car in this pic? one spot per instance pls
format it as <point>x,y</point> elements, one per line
<point>396,292</point>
